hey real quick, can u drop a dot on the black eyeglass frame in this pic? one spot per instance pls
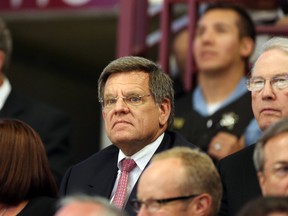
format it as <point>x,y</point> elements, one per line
<point>160,201</point>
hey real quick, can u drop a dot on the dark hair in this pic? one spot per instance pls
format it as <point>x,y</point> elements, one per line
<point>5,44</point>
<point>245,23</point>
<point>25,172</point>
<point>160,84</point>
<point>264,206</point>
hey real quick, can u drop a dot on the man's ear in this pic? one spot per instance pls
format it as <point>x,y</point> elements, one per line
<point>2,60</point>
<point>165,110</point>
<point>261,180</point>
<point>247,46</point>
<point>203,204</point>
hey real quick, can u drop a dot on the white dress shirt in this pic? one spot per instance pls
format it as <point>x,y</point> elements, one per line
<point>141,159</point>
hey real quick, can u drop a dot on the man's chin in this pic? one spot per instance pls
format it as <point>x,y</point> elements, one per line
<point>264,124</point>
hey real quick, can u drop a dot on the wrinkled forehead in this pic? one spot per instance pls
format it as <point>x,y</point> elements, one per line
<point>127,80</point>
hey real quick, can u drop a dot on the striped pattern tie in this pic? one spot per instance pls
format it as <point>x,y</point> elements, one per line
<point>119,200</point>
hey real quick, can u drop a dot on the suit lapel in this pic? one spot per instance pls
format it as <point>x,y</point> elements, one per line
<point>13,106</point>
<point>105,174</point>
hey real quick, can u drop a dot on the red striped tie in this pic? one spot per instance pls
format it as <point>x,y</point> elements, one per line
<point>127,165</point>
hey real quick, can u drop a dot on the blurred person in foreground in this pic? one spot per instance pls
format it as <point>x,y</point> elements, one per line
<point>271,160</point>
<point>217,115</point>
<point>269,89</point>
<point>84,205</point>
<point>27,186</point>
<point>180,181</point>
<point>137,101</point>
<point>52,125</point>
<point>266,206</point>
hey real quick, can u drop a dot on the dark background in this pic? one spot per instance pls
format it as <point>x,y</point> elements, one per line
<point>57,59</point>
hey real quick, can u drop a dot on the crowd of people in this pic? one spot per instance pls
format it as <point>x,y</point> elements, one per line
<point>221,149</point>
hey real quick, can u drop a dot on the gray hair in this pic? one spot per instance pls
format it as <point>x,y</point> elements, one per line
<point>5,44</point>
<point>108,209</point>
<point>279,43</point>
<point>160,84</point>
<point>275,129</point>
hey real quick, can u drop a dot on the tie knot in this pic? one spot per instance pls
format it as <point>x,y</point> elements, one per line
<point>127,165</point>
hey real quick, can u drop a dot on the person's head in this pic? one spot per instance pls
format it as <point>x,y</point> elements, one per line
<point>5,46</point>
<point>224,39</point>
<point>84,205</point>
<point>269,83</point>
<point>266,206</point>
<point>179,181</point>
<point>137,100</point>
<point>180,50</point>
<point>25,171</point>
<point>271,159</point>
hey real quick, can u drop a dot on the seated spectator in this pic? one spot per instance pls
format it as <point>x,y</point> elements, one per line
<point>52,125</point>
<point>178,61</point>
<point>266,206</point>
<point>84,205</point>
<point>27,186</point>
<point>269,89</point>
<point>137,101</point>
<point>180,181</point>
<point>217,115</point>
<point>271,160</point>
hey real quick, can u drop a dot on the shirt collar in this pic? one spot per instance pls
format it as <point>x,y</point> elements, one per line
<point>143,156</point>
<point>5,90</point>
<point>200,105</point>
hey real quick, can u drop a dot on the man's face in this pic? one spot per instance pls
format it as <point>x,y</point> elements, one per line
<point>132,127</point>
<point>217,44</point>
<point>270,104</point>
<point>161,180</point>
<point>274,179</point>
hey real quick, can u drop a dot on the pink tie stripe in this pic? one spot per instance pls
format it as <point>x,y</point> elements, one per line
<point>119,200</point>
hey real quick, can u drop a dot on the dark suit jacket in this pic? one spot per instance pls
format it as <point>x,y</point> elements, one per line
<point>52,125</point>
<point>97,174</point>
<point>239,179</point>
<point>44,206</point>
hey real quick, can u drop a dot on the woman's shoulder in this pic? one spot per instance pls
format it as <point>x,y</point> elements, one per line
<point>44,206</point>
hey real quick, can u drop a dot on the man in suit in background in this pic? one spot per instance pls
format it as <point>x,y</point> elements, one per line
<point>137,100</point>
<point>269,89</point>
<point>52,125</point>
<point>271,160</point>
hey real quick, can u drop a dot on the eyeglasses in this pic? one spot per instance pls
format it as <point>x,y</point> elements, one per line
<point>153,205</point>
<point>133,100</point>
<point>257,83</point>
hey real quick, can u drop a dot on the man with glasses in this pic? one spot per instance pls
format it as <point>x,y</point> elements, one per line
<point>180,181</point>
<point>271,160</point>
<point>137,101</point>
<point>269,89</point>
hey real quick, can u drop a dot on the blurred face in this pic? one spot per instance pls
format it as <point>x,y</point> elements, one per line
<point>217,44</point>
<point>161,180</point>
<point>270,104</point>
<point>278,214</point>
<point>274,179</point>
<point>131,127</point>
<point>79,208</point>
